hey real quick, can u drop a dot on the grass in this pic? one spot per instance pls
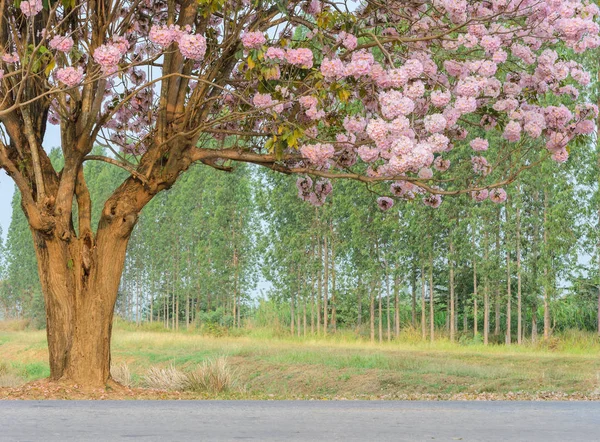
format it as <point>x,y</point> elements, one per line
<point>263,366</point>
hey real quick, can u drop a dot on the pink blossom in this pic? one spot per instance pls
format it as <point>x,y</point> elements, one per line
<point>435,123</point>
<point>425,173</point>
<point>275,54</point>
<point>30,8</point>
<point>10,58</point>
<point>333,68</point>
<point>385,203</point>
<point>349,41</point>
<point>479,144</point>
<point>192,46</point>
<point>480,195</point>
<point>355,124</point>
<point>318,154</point>
<point>498,195</point>
<point>433,201</point>
<point>413,68</point>
<point>61,43</point>
<point>480,166</point>
<point>561,155</point>
<point>308,101</point>
<point>69,76</point>
<point>512,131</point>
<point>360,64</point>
<point>441,164</point>
<point>465,105</point>
<point>253,40</point>
<point>393,104</point>
<point>440,99</point>
<point>302,57</point>
<point>368,154</point>
<point>163,36</point>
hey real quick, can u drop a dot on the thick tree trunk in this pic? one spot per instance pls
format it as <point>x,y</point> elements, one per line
<point>80,284</point>
<point>431,301</point>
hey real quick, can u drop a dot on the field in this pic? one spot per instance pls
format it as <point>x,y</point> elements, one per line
<point>260,365</point>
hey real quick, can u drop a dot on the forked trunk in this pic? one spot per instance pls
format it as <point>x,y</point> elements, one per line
<point>80,283</point>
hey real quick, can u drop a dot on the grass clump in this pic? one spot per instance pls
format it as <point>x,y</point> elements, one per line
<point>122,374</point>
<point>8,378</point>
<point>214,375</point>
<point>169,378</point>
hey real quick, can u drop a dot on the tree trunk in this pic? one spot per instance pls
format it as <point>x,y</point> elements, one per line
<point>372,312</point>
<point>486,294</point>
<point>431,300</point>
<point>508,288</point>
<point>380,314</point>
<point>319,286</point>
<point>423,322</point>
<point>397,308</point>
<point>546,284</point>
<point>451,262</point>
<point>519,294</point>
<point>80,283</point>
<point>333,289</point>
<point>474,288</point>
<point>326,286</point>
<point>389,329</point>
<point>413,288</point>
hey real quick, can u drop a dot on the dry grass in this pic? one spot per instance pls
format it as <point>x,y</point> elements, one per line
<point>169,378</point>
<point>339,366</point>
<point>8,378</point>
<point>215,375</point>
<point>13,325</point>
<point>122,374</point>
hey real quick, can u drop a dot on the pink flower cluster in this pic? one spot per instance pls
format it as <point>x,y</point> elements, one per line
<point>479,144</point>
<point>108,55</point>
<point>61,43</point>
<point>253,40</point>
<point>192,46</point>
<point>266,101</point>
<point>318,154</point>
<point>69,76</point>
<point>30,8</point>
<point>302,57</point>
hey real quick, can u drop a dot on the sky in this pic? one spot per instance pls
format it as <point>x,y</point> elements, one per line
<point>6,193</point>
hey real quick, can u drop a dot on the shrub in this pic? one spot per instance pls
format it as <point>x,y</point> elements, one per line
<point>213,375</point>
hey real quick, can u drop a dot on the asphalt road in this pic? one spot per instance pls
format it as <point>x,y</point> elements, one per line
<point>298,421</point>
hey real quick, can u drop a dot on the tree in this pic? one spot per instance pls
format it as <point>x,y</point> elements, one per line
<point>166,84</point>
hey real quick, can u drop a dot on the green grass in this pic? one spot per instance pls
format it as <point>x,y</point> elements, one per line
<point>342,365</point>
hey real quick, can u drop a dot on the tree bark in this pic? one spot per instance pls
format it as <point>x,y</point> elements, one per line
<point>423,321</point>
<point>519,294</point>
<point>451,263</point>
<point>431,301</point>
<point>80,282</point>
<point>326,286</point>
<point>546,284</point>
<point>508,288</point>
<point>486,294</point>
<point>396,308</point>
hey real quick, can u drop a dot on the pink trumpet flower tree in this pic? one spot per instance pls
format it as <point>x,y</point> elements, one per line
<point>371,91</point>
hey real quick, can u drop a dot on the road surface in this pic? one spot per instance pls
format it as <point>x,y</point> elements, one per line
<point>298,421</point>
